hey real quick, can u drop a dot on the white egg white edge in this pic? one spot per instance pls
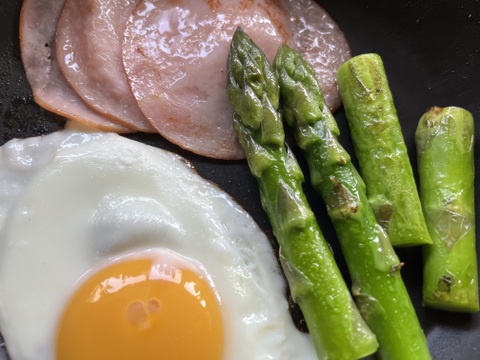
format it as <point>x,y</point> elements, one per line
<point>253,276</point>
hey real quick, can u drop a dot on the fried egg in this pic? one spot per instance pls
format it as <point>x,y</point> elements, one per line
<point>113,249</point>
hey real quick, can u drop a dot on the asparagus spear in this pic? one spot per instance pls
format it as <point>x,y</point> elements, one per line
<point>381,151</point>
<point>373,265</point>
<point>336,327</point>
<point>444,141</point>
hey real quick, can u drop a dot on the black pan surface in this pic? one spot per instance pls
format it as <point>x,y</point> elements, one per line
<point>432,57</point>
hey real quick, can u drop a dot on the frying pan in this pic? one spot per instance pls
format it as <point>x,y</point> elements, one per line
<point>431,54</point>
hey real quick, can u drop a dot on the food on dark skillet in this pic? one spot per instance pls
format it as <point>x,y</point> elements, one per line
<point>89,39</point>
<point>334,322</point>
<point>377,284</point>
<point>381,151</point>
<point>445,141</point>
<point>448,335</point>
<point>38,21</point>
<point>179,270</point>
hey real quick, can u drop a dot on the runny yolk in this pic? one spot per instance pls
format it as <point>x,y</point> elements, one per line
<point>139,309</point>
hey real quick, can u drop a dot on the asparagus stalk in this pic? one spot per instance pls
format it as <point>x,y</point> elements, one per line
<point>374,267</point>
<point>381,151</point>
<point>444,140</point>
<point>335,324</point>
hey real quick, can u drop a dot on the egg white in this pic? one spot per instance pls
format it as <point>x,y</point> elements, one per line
<point>72,202</point>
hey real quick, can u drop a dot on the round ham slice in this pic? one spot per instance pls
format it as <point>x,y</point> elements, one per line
<point>38,22</point>
<point>175,55</point>
<point>175,52</point>
<point>89,53</point>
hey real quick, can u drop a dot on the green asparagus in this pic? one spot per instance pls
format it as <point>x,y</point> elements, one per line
<point>444,140</point>
<point>374,267</point>
<point>335,324</point>
<point>381,150</point>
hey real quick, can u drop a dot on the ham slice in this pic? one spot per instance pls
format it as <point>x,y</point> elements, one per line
<point>160,66</point>
<point>89,53</point>
<point>38,22</point>
<point>175,52</point>
<point>175,55</point>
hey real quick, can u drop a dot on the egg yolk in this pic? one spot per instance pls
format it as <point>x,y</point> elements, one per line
<point>139,309</point>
